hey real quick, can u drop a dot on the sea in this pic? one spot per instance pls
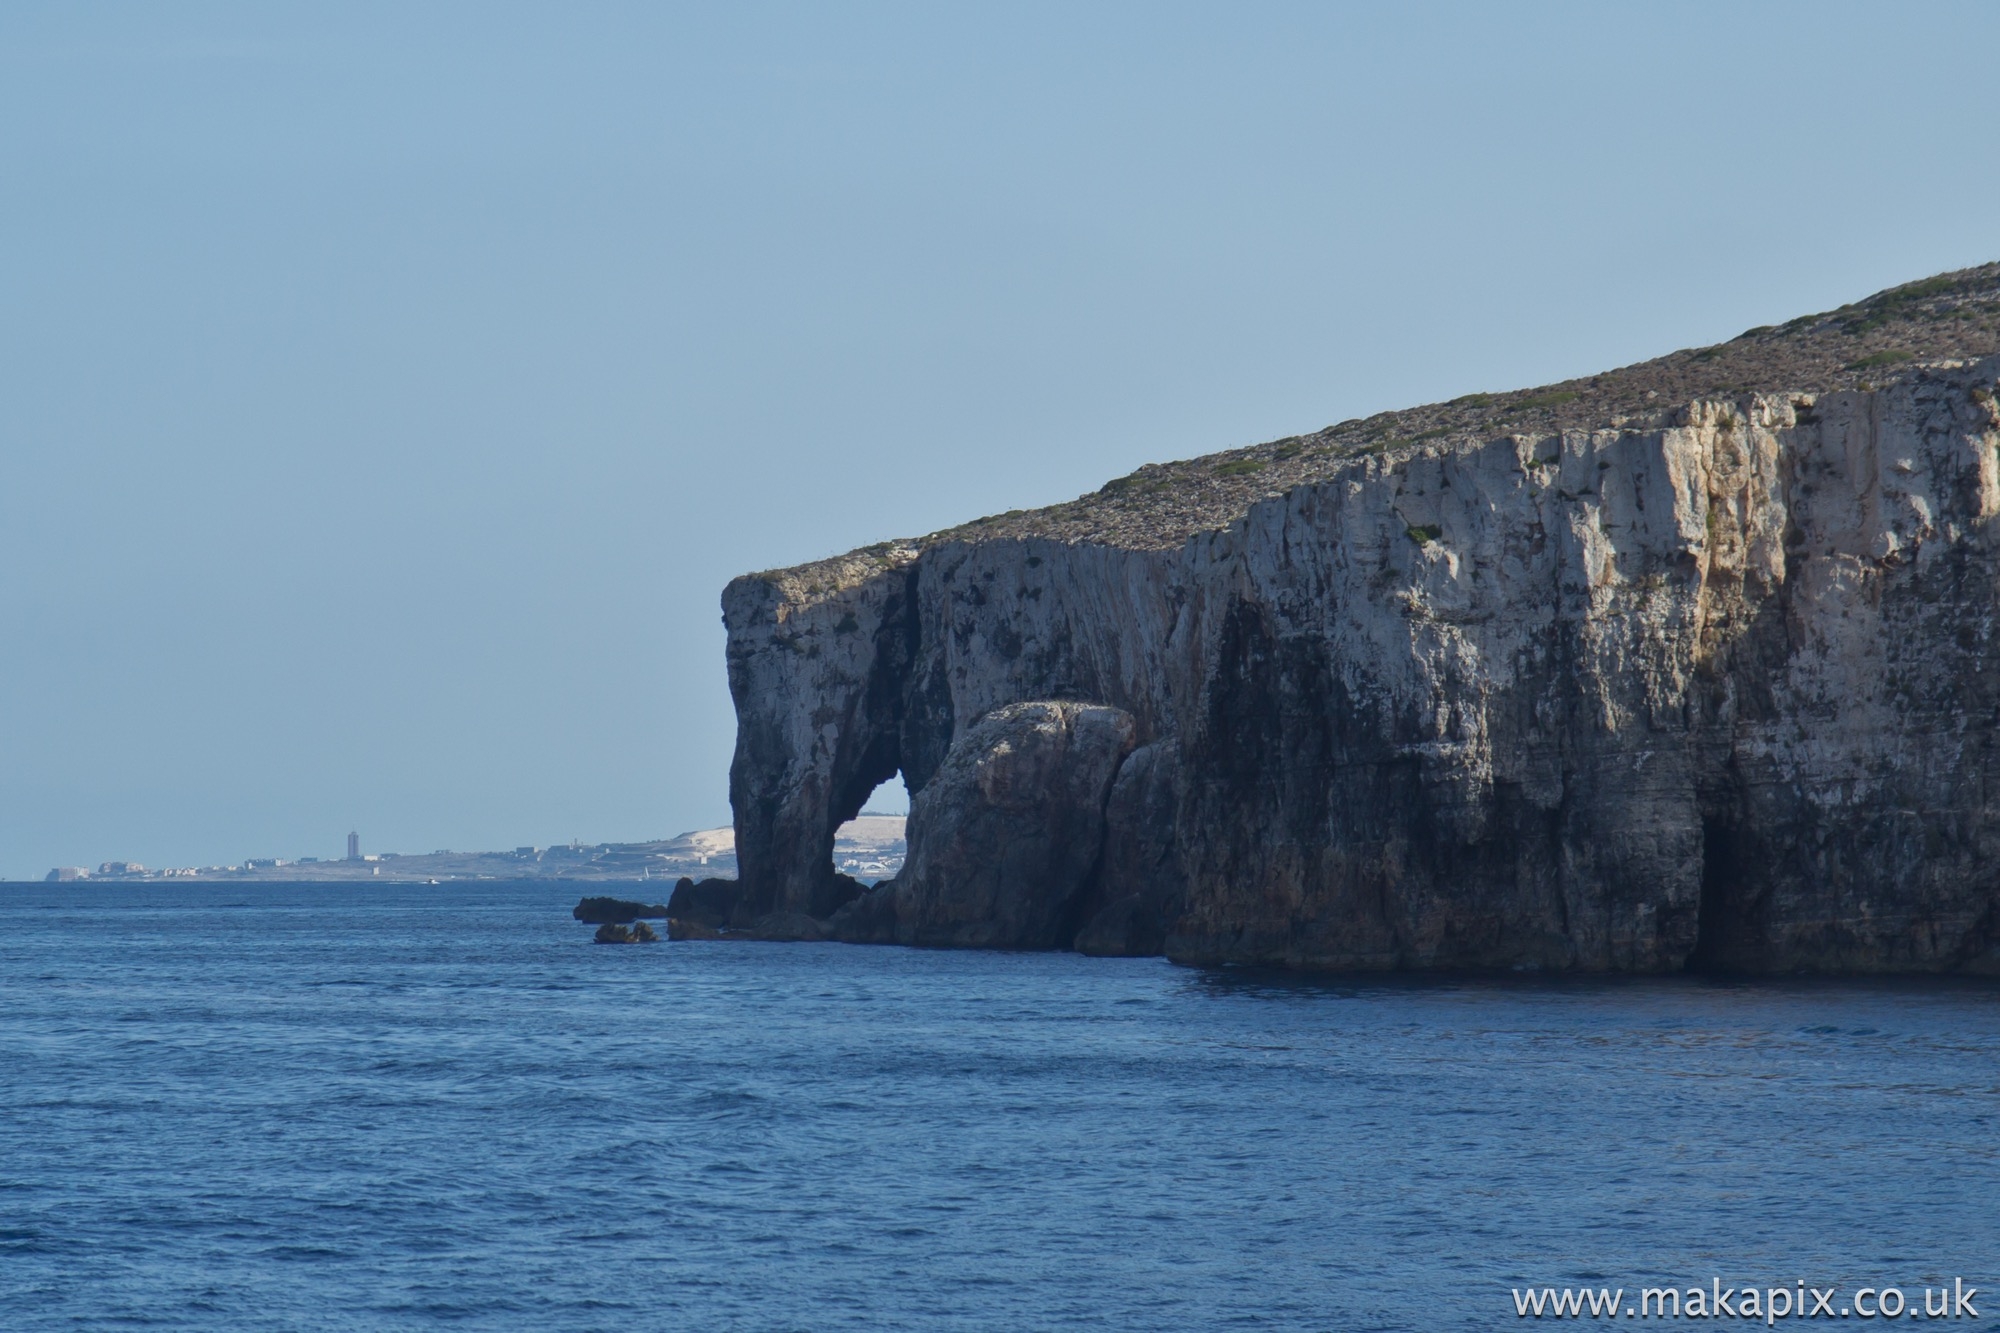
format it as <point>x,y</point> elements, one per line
<point>248,1107</point>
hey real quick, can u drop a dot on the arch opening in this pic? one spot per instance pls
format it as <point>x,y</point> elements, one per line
<point>870,844</point>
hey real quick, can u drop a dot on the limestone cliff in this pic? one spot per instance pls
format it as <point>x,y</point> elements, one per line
<point>1692,662</point>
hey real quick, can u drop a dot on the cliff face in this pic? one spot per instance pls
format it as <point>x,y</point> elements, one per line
<point>1717,684</point>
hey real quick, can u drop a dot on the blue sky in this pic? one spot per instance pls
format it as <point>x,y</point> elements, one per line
<point>387,391</point>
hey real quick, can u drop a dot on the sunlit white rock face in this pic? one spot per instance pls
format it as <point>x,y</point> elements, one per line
<point>1720,686</point>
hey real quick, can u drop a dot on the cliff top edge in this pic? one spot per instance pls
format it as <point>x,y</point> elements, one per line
<point>1860,346</point>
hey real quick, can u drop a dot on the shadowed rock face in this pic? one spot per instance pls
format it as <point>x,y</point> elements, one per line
<point>1011,827</point>
<point>817,661</point>
<point>1718,686</point>
<point>615,911</point>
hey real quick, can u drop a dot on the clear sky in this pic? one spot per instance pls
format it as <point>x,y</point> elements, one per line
<point>387,391</point>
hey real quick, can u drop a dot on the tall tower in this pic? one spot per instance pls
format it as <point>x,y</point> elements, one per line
<point>354,846</point>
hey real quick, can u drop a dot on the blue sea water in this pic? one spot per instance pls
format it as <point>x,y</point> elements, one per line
<point>331,1107</point>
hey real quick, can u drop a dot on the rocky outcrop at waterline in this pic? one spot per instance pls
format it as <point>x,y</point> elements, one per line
<point>638,932</point>
<point>1691,663</point>
<point>617,911</point>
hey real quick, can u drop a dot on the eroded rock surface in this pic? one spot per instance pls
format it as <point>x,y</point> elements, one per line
<point>1006,836</point>
<point>1715,683</point>
<point>1138,889</point>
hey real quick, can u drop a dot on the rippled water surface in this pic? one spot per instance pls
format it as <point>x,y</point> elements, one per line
<point>228,1107</point>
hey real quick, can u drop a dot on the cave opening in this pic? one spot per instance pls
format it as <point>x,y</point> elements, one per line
<point>1722,924</point>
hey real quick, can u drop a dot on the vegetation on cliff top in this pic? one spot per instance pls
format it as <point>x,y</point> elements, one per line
<point>1954,316</point>
<point>1950,317</point>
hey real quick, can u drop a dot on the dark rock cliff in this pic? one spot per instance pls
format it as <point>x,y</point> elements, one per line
<point>1689,663</point>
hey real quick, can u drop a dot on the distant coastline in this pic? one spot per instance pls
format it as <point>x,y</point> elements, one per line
<point>869,847</point>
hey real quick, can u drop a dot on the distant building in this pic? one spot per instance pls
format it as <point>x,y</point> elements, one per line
<point>121,868</point>
<point>64,874</point>
<point>354,846</point>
